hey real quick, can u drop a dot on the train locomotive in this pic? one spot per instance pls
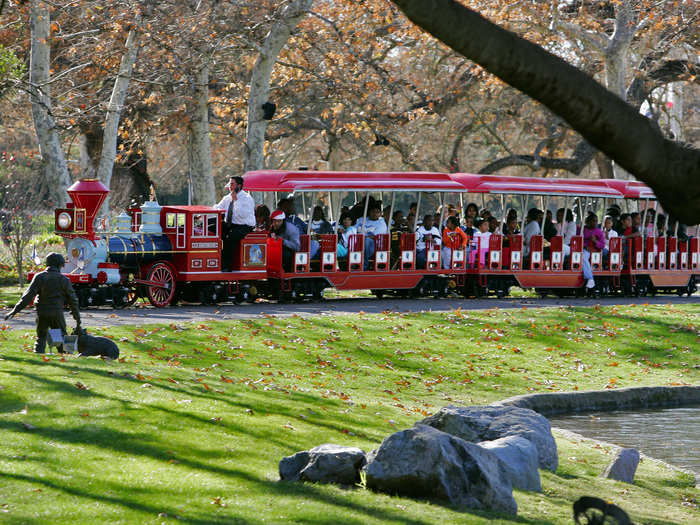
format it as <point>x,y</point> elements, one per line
<point>163,253</point>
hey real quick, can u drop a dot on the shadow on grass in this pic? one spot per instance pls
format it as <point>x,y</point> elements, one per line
<point>267,405</point>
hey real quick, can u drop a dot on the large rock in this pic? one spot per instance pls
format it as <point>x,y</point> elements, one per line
<point>326,463</point>
<point>427,463</point>
<point>520,459</point>
<point>623,466</point>
<point>487,423</point>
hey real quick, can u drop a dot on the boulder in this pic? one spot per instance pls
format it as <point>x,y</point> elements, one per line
<point>427,463</point>
<point>326,463</point>
<point>520,459</point>
<point>487,423</point>
<point>290,467</point>
<point>623,466</point>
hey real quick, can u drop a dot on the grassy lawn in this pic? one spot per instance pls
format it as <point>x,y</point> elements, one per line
<point>190,424</point>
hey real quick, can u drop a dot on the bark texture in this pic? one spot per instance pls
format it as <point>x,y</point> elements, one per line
<point>55,172</point>
<point>114,110</point>
<point>290,17</point>
<point>608,123</point>
<point>202,171</point>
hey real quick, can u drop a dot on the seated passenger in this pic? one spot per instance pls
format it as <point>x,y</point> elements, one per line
<point>480,243</point>
<point>262,218</point>
<point>532,228</point>
<point>373,226</point>
<point>549,230</point>
<point>472,211</point>
<point>468,227</point>
<point>566,231</point>
<point>289,209</point>
<point>281,229</point>
<point>593,240</point>
<point>511,226</point>
<point>426,233</point>
<point>345,230</point>
<point>319,224</point>
<point>493,224</point>
<point>608,233</point>
<point>453,238</point>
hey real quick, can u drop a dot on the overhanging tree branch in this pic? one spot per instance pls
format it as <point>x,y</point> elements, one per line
<point>672,169</point>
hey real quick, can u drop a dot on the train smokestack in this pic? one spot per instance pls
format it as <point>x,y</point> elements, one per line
<point>88,194</point>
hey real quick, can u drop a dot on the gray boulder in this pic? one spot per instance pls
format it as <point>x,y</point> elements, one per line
<point>427,463</point>
<point>488,423</point>
<point>326,463</point>
<point>520,459</point>
<point>290,467</point>
<point>623,466</point>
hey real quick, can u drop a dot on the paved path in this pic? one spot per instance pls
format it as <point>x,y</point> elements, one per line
<point>142,315</point>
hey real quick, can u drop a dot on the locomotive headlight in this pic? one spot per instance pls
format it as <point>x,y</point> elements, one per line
<point>64,220</point>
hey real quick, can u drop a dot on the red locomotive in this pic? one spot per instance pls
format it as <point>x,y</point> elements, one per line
<point>173,253</point>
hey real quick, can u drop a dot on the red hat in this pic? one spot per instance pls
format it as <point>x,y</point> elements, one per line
<point>277,214</point>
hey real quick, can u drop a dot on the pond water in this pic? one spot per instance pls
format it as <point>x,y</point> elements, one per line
<point>671,435</point>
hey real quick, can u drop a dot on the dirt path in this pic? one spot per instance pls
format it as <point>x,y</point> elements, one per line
<point>143,315</point>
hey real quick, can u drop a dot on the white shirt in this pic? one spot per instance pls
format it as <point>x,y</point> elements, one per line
<point>372,227</point>
<point>243,208</point>
<point>480,240</point>
<point>531,228</point>
<point>421,232</point>
<point>609,235</point>
<point>569,232</point>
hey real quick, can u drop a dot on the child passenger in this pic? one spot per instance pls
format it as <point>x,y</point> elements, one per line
<point>426,233</point>
<point>453,238</point>
<point>480,242</point>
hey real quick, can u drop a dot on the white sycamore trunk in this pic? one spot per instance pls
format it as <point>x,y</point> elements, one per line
<point>114,110</point>
<point>290,17</point>
<point>55,169</point>
<point>201,169</point>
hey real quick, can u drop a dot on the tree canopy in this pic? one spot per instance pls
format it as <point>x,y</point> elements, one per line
<point>671,168</point>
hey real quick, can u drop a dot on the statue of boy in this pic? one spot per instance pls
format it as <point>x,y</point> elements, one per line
<point>54,290</point>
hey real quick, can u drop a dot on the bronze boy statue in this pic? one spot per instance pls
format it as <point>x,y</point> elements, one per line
<point>54,290</point>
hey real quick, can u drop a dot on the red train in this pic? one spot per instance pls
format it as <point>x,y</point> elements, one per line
<point>173,253</point>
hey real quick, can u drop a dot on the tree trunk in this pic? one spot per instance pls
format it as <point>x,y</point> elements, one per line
<point>114,109</point>
<point>606,121</point>
<point>290,17</point>
<point>57,178</point>
<point>201,169</point>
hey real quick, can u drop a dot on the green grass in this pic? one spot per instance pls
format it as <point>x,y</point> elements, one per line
<point>194,419</point>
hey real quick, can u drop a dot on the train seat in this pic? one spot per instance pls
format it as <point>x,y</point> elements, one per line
<point>408,251</point>
<point>356,251</point>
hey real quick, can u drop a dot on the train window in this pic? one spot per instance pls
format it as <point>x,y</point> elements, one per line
<point>198,226</point>
<point>170,220</point>
<point>213,225</point>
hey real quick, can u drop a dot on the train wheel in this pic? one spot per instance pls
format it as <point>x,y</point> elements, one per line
<point>163,294</point>
<point>378,293</point>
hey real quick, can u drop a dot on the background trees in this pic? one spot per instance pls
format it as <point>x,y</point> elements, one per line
<point>355,85</point>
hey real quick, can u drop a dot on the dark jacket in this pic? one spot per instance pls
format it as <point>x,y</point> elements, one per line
<point>54,290</point>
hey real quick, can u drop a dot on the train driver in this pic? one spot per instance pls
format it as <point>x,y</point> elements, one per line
<point>239,219</point>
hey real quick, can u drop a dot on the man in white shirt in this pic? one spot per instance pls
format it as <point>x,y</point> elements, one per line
<point>239,219</point>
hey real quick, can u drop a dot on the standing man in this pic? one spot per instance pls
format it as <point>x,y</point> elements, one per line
<point>54,290</point>
<point>239,219</point>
